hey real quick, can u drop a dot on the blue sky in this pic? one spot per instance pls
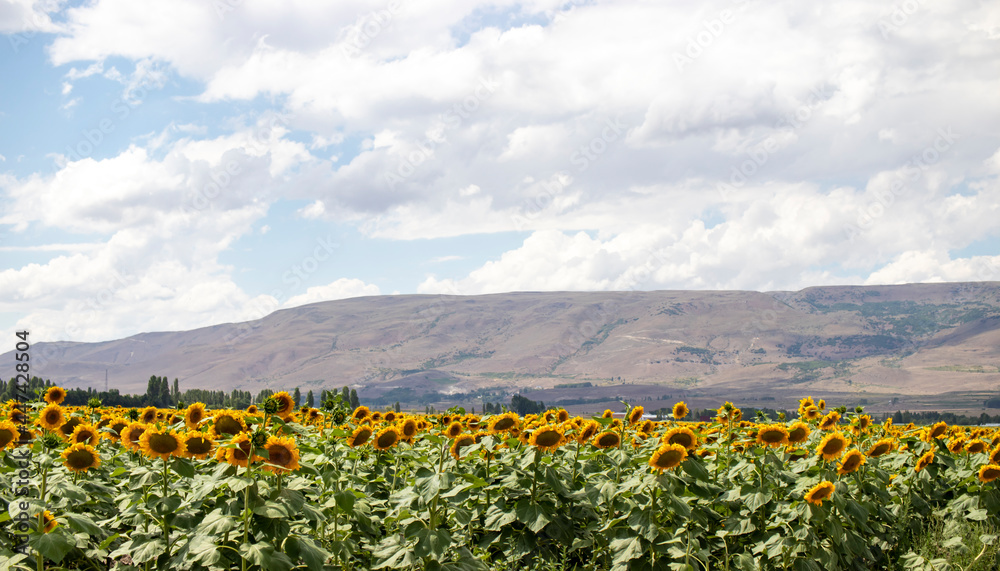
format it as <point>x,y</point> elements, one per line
<point>172,166</point>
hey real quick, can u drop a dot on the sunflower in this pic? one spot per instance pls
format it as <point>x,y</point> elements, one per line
<point>995,455</point>
<point>117,425</point>
<point>562,415</point>
<point>975,446</point>
<point>646,427</point>
<point>52,417</point>
<point>148,415</point>
<point>881,448</point>
<point>798,432</point>
<point>830,421</point>
<point>821,404</point>
<point>819,492</point>
<point>81,457</point>
<point>851,462</point>
<point>389,416</point>
<point>587,431</point>
<point>505,421</point>
<point>926,460</point>
<point>989,472</point>
<point>635,415</point>
<point>240,454</point>
<point>360,435</point>
<point>680,410</point>
<point>198,444</point>
<point>286,404</point>
<point>454,429</point>
<point>936,431</point>
<point>773,435</point>
<point>9,435</point>
<point>282,455</point>
<point>194,415</point>
<point>804,404</point>
<point>864,422</point>
<point>548,437</point>
<point>607,413</point>
<point>386,438</point>
<point>360,413</point>
<point>408,429</point>
<point>85,433</point>
<point>668,456</point>
<point>161,443</point>
<point>832,445</point>
<point>55,395</point>
<point>131,434</point>
<point>459,442</point>
<point>229,422</point>
<point>48,521</point>
<point>681,435</point>
<point>606,440</point>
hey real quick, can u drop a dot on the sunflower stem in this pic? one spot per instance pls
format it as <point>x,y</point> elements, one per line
<point>39,559</point>
<point>534,478</point>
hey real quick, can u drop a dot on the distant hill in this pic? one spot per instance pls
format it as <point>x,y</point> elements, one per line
<point>925,345</point>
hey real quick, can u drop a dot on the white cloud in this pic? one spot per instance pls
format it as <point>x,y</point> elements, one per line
<point>340,289</point>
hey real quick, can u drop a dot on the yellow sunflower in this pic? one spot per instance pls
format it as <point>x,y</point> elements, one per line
<point>830,421</point>
<point>52,417</point>
<point>681,435</point>
<point>926,460</point>
<point>454,429</point>
<point>252,409</point>
<point>668,456</point>
<point>812,412</point>
<point>832,445</point>
<point>607,413</point>
<point>635,415</point>
<point>286,404</point>
<point>389,416</point>
<point>680,410</point>
<point>548,437</point>
<point>86,434</point>
<point>408,429</point>
<point>936,431</point>
<point>161,443</point>
<point>360,436</point>
<point>386,438</point>
<point>606,440</point>
<point>9,434</point>
<point>995,455</point>
<point>461,441</point>
<point>148,415</point>
<point>587,431</point>
<point>117,425</point>
<point>229,422</point>
<point>48,521</point>
<point>55,395</point>
<point>505,421</point>
<point>131,434</point>
<point>975,446</point>
<point>562,415</point>
<point>282,455</point>
<point>194,415</point>
<point>81,457</point>
<point>851,462</point>
<point>198,444</point>
<point>819,492</point>
<point>773,435</point>
<point>360,413</point>
<point>881,448</point>
<point>798,432</point>
<point>240,454</point>
<point>989,472</point>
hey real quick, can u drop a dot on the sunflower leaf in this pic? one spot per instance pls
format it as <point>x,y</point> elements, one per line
<point>307,550</point>
<point>183,467</point>
<point>531,514</point>
<point>53,545</point>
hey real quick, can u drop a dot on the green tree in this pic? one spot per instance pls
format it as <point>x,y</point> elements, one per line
<point>355,402</point>
<point>310,400</point>
<point>297,396</point>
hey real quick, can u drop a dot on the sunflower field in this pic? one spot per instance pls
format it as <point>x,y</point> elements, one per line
<point>281,488</point>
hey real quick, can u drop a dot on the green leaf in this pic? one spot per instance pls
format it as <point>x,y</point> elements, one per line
<point>432,542</point>
<point>644,523</point>
<point>345,500</point>
<point>307,550</point>
<point>107,542</point>
<point>216,523</point>
<point>977,515</point>
<point>53,545</point>
<point>148,550</point>
<point>531,514</point>
<point>272,510</point>
<point>755,500</point>
<point>695,467</point>
<point>184,467</point>
<point>83,523</point>
<point>263,554</point>
<point>626,549</point>
<point>496,518</point>
<point>427,484</point>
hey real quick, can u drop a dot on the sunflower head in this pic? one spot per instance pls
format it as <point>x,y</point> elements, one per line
<point>547,437</point>
<point>668,456</point>
<point>194,415</point>
<point>161,443</point>
<point>81,457</point>
<point>681,435</point>
<point>386,438</point>
<point>360,413</point>
<point>198,444</point>
<point>55,395</point>
<point>587,431</point>
<point>881,448</point>
<point>229,422</point>
<point>286,404</point>
<point>48,521</point>
<point>819,492</point>
<point>635,415</point>
<point>680,410</point>
<point>607,413</point>
<point>360,435</point>
<point>926,460</point>
<point>282,455</point>
<point>252,409</point>
<point>9,434</point>
<point>52,417</point>
<point>773,435</point>
<point>851,462</point>
<point>989,472</point>
<point>607,439</point>
<point>562,415</point>
<point>503,422</point>
<point>832,446</point>
<point>798,432</point>
<point>408,428</point>
<point>937,431</point>
<point>239,455</point>
<point>454,429</point>
<point>830,421</point>
<point>86,434</point>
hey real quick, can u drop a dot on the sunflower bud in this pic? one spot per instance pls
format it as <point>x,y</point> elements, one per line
<point>132,414</point>
<point>271,405</point>
<point>781,416</point>
<point>50,440</point>
<point>94,402</point>
<point>259,439</point>
<point>859,409</point>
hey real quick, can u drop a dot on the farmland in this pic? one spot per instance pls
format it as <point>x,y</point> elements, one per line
<point>282,487</point>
